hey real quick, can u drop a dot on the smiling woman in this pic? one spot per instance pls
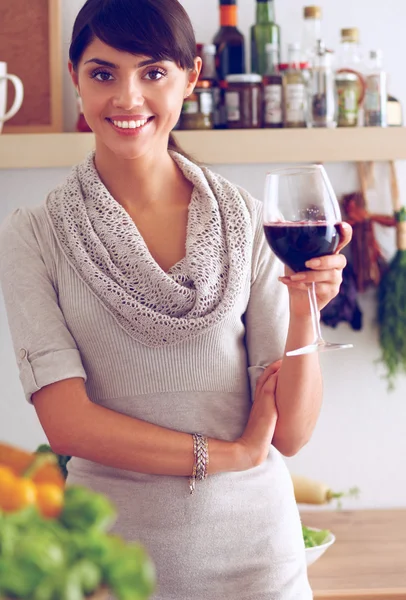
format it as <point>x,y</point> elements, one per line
<point>148,319</point>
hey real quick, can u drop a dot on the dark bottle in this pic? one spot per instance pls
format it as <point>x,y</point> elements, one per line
<point>273,89</point>
<point>229,42</point>
<point>265,31</point>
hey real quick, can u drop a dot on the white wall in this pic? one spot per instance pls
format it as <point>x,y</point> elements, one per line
<point>360,437</point>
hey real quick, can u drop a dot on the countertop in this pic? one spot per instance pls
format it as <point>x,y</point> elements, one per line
<point>368,559</point>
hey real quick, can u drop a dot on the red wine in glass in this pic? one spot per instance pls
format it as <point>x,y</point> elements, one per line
<point>302,220</point>
<point>296,243</point>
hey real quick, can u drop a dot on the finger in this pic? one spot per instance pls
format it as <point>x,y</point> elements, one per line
<point>332,276</point>
<point>345,236</point>
<point>303,287</point>
<point>270,384</point>
<point>325,263</point>
<point>270,370</point>
<point>324,291</point>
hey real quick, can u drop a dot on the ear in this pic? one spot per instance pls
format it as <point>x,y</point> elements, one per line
<point>193,76</point>
<point>74,76</point>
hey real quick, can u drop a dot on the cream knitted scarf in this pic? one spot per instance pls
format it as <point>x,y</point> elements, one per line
<point>103,245</point>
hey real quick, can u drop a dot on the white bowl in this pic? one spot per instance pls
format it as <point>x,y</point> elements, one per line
<point>314,553</point>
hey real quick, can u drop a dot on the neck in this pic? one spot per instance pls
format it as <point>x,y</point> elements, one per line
<point>265,12</point>
<point>134,183</point>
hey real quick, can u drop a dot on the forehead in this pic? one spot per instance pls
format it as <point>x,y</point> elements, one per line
<point>99,49</point>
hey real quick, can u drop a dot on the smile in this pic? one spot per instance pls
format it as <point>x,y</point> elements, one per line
<point>130,127</point>
<point>130,124</point>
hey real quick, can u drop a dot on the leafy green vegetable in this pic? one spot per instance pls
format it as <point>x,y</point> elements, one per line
<point>70,557</point>
<point>85,510</point>
<point>314,538</point>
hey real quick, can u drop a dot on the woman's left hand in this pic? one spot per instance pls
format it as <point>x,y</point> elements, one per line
<point>326,272</point>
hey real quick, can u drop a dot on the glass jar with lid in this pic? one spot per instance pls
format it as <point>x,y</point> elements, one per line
<point>197,110</point>
<point>243,98</point>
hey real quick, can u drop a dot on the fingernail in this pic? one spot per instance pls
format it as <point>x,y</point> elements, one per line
<point>298,277</point>
<point>315,262</point>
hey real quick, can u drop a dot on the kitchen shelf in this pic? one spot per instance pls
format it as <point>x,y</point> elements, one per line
<point>261,146</point>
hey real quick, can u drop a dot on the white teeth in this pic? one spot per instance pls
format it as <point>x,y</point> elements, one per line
<point>130,124</point>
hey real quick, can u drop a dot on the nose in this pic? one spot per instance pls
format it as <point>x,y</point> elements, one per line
<point>129,95</point>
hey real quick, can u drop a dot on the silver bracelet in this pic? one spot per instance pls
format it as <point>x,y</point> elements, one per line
<point>200,460</point>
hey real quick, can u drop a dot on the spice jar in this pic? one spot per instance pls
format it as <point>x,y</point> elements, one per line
<point>197,111</point>
<point>244,101</point>
<point>350,91</point>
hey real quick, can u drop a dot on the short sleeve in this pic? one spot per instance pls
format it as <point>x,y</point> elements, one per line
<point>45,349</point>
<point>267,314</point>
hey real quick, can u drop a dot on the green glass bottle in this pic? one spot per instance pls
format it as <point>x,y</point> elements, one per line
<point>265,31</point>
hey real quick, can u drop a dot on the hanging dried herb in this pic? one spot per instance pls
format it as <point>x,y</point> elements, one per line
<point>392,307</point>
<point>344,307</point>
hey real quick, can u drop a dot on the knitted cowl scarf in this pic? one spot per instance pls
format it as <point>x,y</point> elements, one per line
<point>104,247</point>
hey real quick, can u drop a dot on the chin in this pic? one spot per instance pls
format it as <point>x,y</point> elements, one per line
<point>130,148</point>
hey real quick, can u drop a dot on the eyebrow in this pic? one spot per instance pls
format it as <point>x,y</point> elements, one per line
<point>105,63</point>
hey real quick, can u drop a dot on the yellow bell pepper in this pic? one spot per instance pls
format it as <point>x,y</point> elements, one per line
<point>21,487</point>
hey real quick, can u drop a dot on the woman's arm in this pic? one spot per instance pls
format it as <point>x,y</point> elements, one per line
<point>299,391</point>
<point>75,426</point>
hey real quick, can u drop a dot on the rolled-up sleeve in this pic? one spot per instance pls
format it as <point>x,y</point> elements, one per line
<point>44,347</point>
<point>267,314</point>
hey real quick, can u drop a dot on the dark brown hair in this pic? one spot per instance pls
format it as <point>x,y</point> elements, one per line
<point>160,29</point>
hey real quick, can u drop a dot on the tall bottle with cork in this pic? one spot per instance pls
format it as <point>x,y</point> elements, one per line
<point>229,42</point>
<point>265,31</point>
<point>312,33</point>
<point>350,80</point>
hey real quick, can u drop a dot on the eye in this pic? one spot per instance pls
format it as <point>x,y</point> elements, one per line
<point>101,75</point>
<point>156,74</point>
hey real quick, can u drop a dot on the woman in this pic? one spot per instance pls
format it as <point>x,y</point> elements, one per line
<point>144,303</point>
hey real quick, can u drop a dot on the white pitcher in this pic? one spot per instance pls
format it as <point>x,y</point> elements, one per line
<point>19,95</point>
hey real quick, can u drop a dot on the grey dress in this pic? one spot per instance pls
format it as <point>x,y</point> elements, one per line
<point>239,536</point>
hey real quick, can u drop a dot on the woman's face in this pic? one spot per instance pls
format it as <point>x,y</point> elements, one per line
<point>131,102</point>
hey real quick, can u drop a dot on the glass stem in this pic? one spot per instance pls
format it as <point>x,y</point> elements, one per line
<point>315,313</point>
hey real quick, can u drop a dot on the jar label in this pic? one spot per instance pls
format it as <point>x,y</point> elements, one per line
<point>190,107</point>
<point>347,105</point>
<point>295,102</point>
<point>273,104</point>
<point>233,106</point>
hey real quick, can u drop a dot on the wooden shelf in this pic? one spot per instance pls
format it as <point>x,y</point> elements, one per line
<point>25,151</point>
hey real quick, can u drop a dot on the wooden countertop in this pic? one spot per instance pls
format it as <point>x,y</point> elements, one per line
<point>368,559</point>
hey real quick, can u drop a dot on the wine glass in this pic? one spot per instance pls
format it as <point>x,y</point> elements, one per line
<point>302,221</point>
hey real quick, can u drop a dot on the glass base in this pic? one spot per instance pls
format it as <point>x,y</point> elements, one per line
<point>319,346</point>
